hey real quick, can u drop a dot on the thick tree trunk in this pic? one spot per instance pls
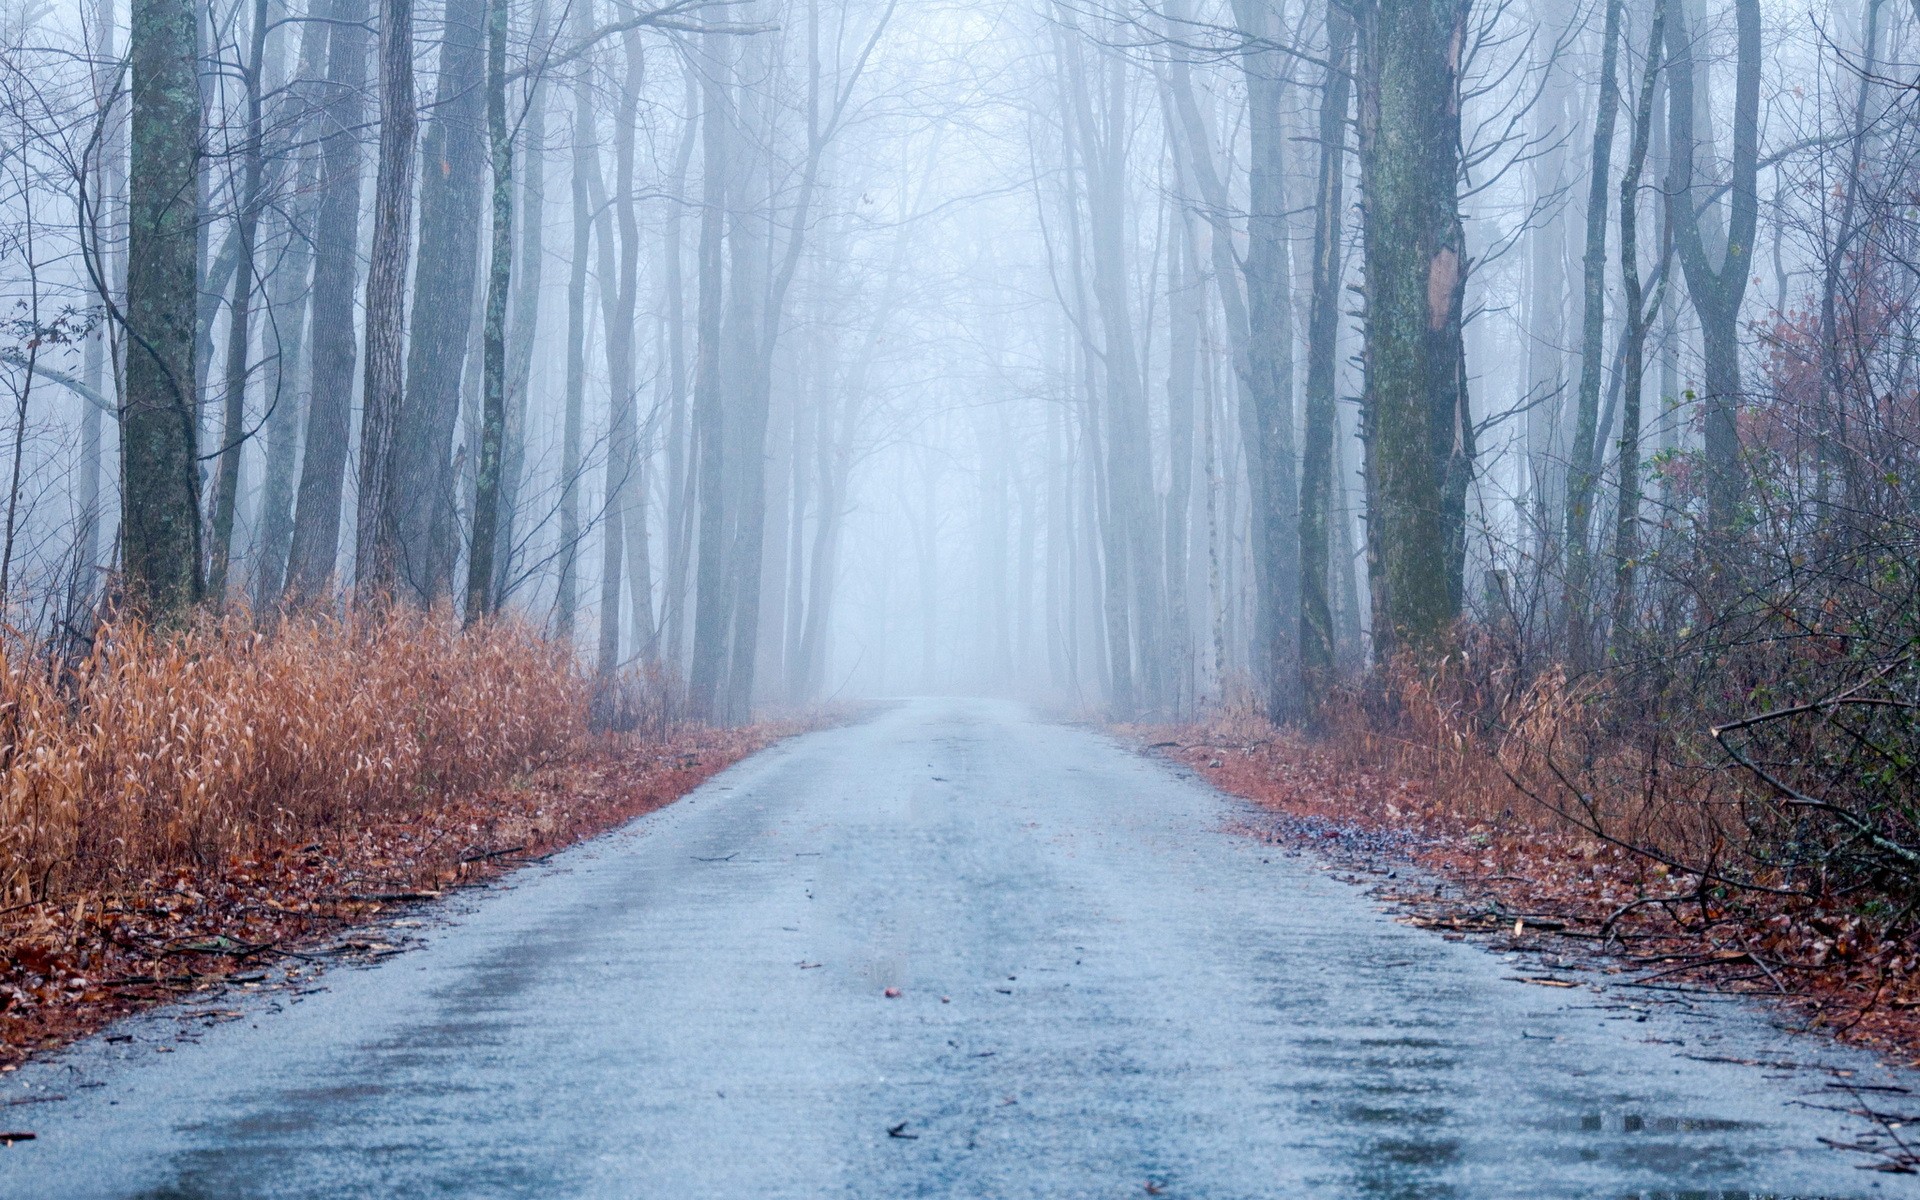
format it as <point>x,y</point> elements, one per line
<point>1420,431</point>
<point>377,536</point>
<point>454,149</point>
<point>160,487</point>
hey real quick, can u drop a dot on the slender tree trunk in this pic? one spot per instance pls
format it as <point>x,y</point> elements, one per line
<point>1186,293</point>
<point>290,297</point>
<point>1583,472</point>
<point>377,546</point>
<point>160,486</point>
<point>619,301</point>
<point>336,265</point>
<point>1269,275</point>
<point>680,450</point>
<point>1717,292</point>
<point>710,601</point>
<point>233,432</point>
<point>525,322</point>
<point>1833,417</point>
<point>493,386</point>
<point>1318,664</point>
<point>106,188</point>
<point>1640,318</point>
<point>573,422</point>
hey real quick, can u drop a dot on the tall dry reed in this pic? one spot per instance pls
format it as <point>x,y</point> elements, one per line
<point>158,751</point>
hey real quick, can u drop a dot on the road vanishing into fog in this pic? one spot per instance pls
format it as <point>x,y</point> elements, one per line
<point>1102,993</point>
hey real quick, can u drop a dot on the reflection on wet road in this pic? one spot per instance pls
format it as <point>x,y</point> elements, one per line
<point>1100,993</point>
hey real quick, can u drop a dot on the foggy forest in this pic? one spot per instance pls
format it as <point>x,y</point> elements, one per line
<point>1490,423</point>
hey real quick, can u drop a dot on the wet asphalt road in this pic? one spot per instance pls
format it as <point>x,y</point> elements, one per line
<point>1103,994</point>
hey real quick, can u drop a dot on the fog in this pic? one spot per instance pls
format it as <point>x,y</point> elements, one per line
<point>1129,358</point>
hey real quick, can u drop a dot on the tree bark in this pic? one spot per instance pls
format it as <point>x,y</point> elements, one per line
<point>573,421</point>
<point>1317,657</point>
<point>524,324</point>
<point>1640,318</point>
<point>233,435</point>
<point>455,151</point>
<point>1717,292</point>
<point>377,535</point>
<point>1269,275</point>
<point>1419,429</point>
<point>336,266</point>
<point>493,385</point>
<point>1583,472</point>
<point>710,606</point>
<point>159,442</point>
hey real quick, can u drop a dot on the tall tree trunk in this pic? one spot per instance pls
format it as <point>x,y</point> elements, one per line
<point>106,191</point>
<point>710,617</point>
<point>1640,318</point>
<point>525,322</point>
<point>336,266</point>
<point>573,422</point>
<point>289,296</point>
<point>680,437</point>
<point>493,386</point>
<point>455,149</point>
<point>1420,431</point>
<point>619,303</point>
<point>233,433</point>
<point>1583,473</point>
<point>1228,279</point>
<point>1834,370</point>
<point>377,535</point>
<point>1269,275</point>
<point>160,487</point>
<point>1186,293</point>
<point>1717,292</point>
<point>1317,657</point>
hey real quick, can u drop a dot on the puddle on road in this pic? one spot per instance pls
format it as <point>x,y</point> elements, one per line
<point>1631,1122</point>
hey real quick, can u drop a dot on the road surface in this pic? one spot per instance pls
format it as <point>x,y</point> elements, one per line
<point>1101,993</point>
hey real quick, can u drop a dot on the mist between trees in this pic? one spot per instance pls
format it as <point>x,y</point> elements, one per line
<point>1141,356</point>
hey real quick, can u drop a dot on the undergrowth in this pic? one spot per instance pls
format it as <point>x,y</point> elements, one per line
<point>155,751</point>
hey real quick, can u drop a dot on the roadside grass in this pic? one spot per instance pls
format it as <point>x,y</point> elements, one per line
<point>179,809</point>
<point>1543,847</point>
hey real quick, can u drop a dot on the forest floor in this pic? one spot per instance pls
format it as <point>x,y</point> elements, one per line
<point>1532,882</point>
<point>67,970</point>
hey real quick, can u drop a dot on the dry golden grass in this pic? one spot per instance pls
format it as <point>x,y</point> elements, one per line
<point>187,749</point>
